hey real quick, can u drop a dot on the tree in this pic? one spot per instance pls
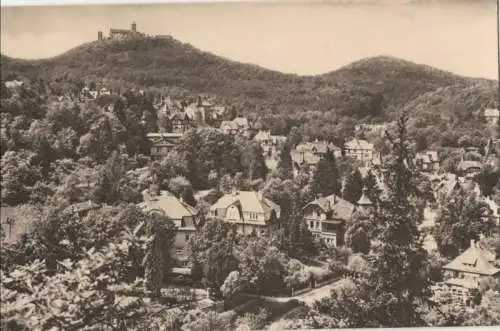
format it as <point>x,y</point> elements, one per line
<point>252,160</point>
<point>326,179</point>
<point>112,185</point>
<point>373,191</point>
<point>157,261</point>
<point>396,285</point>
<point>353,187</point>
<point>285,165</point>
<point>212,253</point>
<point>357,238</point>
<point>294,137</point>
<point>232,285</point>
<point>459,220</point>
<point>487,179</point>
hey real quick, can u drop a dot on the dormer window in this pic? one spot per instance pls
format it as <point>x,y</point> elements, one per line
<point>183,223</point>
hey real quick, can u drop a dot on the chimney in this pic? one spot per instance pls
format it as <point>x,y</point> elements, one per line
<point>99,35</point>
<point>259,195</point>
<point>234,190</point>
<point>472,243</point>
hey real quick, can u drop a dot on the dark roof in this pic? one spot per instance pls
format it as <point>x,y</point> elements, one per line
<point>340,208</point>
<point>81,207</point>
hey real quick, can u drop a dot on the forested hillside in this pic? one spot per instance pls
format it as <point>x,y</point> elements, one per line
<point>364,88</point>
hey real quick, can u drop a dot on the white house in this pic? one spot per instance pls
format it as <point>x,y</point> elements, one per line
<point>248,210</point>
<point>491,115</point>
<point>184,216</point>
<point>360,149</point>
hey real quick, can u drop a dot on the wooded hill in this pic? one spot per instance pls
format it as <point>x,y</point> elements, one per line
<point>371,89</point>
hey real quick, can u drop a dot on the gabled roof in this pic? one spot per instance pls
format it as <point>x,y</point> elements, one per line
<point>474,260</point>
<point>180,116</point>
<point>249,201</point>
<point>172,207</point>
<point>358,144</point>
<point>340,208</point>
<point>307,157</point>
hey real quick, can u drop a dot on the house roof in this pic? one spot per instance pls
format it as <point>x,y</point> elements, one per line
<point>307,157</point>
<point>262,135</point>
<point>317,147</point>
<point>180,116</point>
<point>173,208</point>
<point>81,207</point>
<point>465,165</point>
<point>250,201</point>
<point>241,122</point>
<point>491,112</point>
<point>340,208</point>
<point>364,200</point>
<point>229,125</point>
<point>358,144</point>
<point>474,260</point>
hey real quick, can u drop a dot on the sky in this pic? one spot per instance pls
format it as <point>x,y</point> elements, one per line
<point>302,38</point>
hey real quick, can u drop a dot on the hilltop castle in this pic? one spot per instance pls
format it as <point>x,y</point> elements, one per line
<point>118,34</point>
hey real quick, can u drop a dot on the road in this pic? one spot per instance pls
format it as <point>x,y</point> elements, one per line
<point>308,297</point>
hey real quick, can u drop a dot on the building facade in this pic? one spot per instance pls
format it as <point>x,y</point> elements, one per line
<point>463,275</point>
<point>163,143</point>
<point>326,218</point>
<point>249,211</point>
<point>184,217</point>
<point>360,149</point>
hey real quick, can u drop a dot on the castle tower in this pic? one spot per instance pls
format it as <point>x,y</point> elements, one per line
<point>99,35</point>
<point>134,27</point>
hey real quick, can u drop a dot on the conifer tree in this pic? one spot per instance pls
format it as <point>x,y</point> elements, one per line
<point>326,178</point>
<point>157,261</point>
<point>392,292</point>
<point>285,164</point>
<point>373,191</point>
<point>353,187</point>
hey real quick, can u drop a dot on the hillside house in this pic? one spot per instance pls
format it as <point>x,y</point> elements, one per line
<point>326,218</point>
<point>451,185</point>
<point>13,84</point>
<point>307,155</point>
<point>427,161</point>
<point>249,211</point>
<point>180,122</point>
<point>239,125</point>
<point>464,273</point>
<point>469,167</point>
<point>268,142</point>
<point>360,149</point>
<point>491,116</point>
<point>495,209</point>
<point>163,143</point>
<point>81,209</point>
<point>184,217</point>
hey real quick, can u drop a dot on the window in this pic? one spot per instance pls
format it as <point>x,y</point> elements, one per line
<point>183,223</point>
<point>186,236</point>
<point>311,224</point>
